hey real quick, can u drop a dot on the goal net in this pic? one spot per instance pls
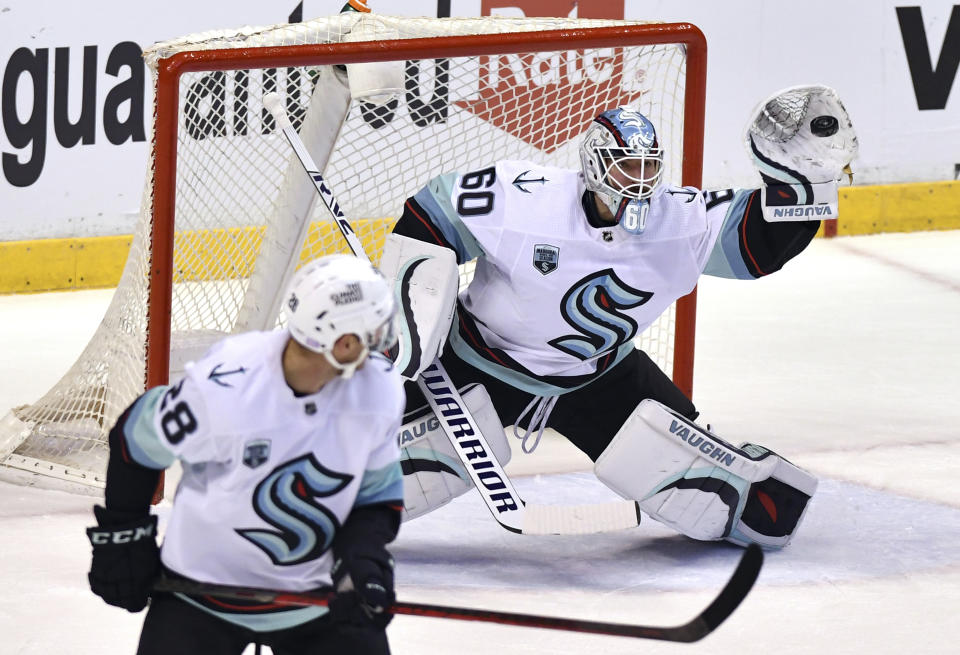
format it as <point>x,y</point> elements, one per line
<point>229,214</point>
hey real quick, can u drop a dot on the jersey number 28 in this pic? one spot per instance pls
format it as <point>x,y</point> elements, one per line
<point>178,421</point>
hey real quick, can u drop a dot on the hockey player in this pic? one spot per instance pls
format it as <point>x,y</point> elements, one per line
<point>291,479</point>
<point>571,265</point>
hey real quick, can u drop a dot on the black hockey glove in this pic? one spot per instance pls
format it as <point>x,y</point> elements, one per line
<point>364,586</point>
<point>126,559</point>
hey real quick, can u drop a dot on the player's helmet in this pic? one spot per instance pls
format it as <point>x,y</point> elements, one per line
<point>616,137</point>
<point>337,295</point>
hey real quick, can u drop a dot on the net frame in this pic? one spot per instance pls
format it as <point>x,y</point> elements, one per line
<point>161,194</point>
<point>170,69</point>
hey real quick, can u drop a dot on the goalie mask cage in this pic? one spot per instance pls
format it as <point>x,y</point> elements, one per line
<point>228,212</point>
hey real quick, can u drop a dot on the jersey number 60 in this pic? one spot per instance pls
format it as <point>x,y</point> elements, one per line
<point>476,203</point>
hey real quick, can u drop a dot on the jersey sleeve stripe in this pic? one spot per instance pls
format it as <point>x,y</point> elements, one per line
<point>516,375</point>
<point>435,201</point>
<point>412,207</point>
<point>264,620</point>
<point>726,258</point>
<point>743,235</point>
<point>144,445</point>
<point>381,486</point>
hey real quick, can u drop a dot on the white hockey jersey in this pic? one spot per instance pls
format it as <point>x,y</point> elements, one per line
<point>554,301</point>
<point>268,477</point>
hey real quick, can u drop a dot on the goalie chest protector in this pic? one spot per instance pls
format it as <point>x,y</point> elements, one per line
<point>552,292</point>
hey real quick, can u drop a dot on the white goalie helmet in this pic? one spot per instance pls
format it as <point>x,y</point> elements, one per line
<point>337,295</point>
<point>616,154</point>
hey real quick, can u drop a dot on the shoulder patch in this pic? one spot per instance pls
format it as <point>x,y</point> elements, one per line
<point>256,452</point>
<point>546,258</point>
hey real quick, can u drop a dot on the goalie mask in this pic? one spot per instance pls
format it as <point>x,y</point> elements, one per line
<point>338,295</point>
<point>622,164</point>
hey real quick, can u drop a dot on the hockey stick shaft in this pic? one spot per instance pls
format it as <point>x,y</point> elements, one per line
<point>497,490</point>
<point>485,471</point>
<point>699,627</point>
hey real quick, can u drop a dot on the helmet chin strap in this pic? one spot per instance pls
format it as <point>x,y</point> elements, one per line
<point>347,370</point>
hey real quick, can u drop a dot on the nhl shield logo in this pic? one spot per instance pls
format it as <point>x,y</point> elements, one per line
<point>545,258</point>
<point>256,453</point>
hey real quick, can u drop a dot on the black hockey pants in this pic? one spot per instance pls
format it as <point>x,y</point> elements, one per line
<point>588,417</point>
<point>175,626</point>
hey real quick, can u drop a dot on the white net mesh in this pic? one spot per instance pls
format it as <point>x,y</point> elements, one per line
<point>246,214</point>
<point>780,118</point>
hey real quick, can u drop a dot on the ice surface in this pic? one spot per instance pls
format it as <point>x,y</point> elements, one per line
<point>847,362</point>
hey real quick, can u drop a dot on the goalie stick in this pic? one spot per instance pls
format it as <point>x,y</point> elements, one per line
<point>496,489</point>
<point>729,598</point>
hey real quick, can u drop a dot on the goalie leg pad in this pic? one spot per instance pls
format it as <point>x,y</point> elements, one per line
<point>432,473</point>
<point>426,283</point>
<point>774,507</point>
<point>702,486</point>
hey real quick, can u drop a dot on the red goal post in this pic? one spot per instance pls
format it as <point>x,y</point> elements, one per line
<point>170,70</point>
<point>227,215</point>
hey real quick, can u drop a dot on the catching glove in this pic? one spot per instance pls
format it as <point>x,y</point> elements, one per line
<point>801,140</point>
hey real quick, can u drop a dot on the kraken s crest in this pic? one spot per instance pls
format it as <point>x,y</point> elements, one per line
<point>645,136</point>
<point>592,307</point>
<point>286,499</point>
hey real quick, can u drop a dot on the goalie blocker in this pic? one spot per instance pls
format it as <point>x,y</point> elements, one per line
<point>698,484</point>
<point>426,281</point>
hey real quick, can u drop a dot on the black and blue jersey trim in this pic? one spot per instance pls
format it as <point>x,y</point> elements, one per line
<point>497,362</point>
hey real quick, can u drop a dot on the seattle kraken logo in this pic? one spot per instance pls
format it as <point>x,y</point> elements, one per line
<point>645,136</point>
<point>286,500</point>
<point>590,307</point>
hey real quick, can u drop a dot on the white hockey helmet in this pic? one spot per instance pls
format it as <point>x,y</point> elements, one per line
<point>337,295</point>
<point>616,138</point>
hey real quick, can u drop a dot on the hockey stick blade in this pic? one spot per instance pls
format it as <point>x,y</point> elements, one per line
<point>699,627</point>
